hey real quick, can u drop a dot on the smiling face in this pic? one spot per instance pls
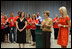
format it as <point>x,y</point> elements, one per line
<point>56,15</point>
<point>45,15</point>
<point>22,15</point>
<point>61,12</point>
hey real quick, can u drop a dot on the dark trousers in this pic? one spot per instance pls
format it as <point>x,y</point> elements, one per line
<point>12,31</point>
<point>2,34</point>
<point>46,35</point>
<point>33,35</point>
<point>56,33</point>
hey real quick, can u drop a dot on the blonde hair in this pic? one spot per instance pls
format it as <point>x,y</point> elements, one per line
<point>64,10</point>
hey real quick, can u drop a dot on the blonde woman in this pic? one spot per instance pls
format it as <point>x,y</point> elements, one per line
<point>64,24</point>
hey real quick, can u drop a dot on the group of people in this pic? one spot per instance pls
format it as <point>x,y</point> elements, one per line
<point>21,29</point>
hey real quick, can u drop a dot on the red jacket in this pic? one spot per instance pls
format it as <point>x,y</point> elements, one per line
<point>28,25</point>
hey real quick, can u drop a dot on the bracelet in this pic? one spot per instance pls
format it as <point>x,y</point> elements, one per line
<point>64,25</point>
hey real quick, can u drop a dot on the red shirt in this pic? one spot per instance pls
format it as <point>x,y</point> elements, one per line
<point>55,24</point>
<point>33,26</point>
<point>28,25</point>
<point>2,21</point>
<point>11,22</point>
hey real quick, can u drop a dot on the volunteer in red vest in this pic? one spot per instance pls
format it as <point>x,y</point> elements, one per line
<point>55,26</point>
<point>2,28</point>
<point>28,33</point>
<point>12,26</point>
<point>33,27</point>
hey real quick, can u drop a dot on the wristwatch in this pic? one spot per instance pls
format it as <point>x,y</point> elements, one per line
<point>64,25</point>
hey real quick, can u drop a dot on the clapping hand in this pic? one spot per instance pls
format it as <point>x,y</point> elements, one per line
<point>60,25</point>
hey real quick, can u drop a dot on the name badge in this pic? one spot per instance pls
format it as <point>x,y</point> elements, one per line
<point>11,28</point>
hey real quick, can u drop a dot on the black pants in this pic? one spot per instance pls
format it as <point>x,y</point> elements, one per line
<point>46,35</point>
<point>2,35</point>
<point>33,35</point>
<point>56,33</point>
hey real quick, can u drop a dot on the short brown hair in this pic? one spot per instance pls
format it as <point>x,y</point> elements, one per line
<point>47,12</point>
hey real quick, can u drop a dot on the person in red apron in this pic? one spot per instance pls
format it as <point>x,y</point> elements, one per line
<point>12,26</point>
<point>28,33</point>
<point>33,27</point>
<point>55,26</point>
<point>2,28</point>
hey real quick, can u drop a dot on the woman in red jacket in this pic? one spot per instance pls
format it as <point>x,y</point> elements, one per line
<point>28,33</point>
<point>33,27</point>
<point>12,26</point>
<point>64,24</point>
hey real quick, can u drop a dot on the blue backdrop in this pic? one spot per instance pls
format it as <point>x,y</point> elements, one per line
<point>35,6</point>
